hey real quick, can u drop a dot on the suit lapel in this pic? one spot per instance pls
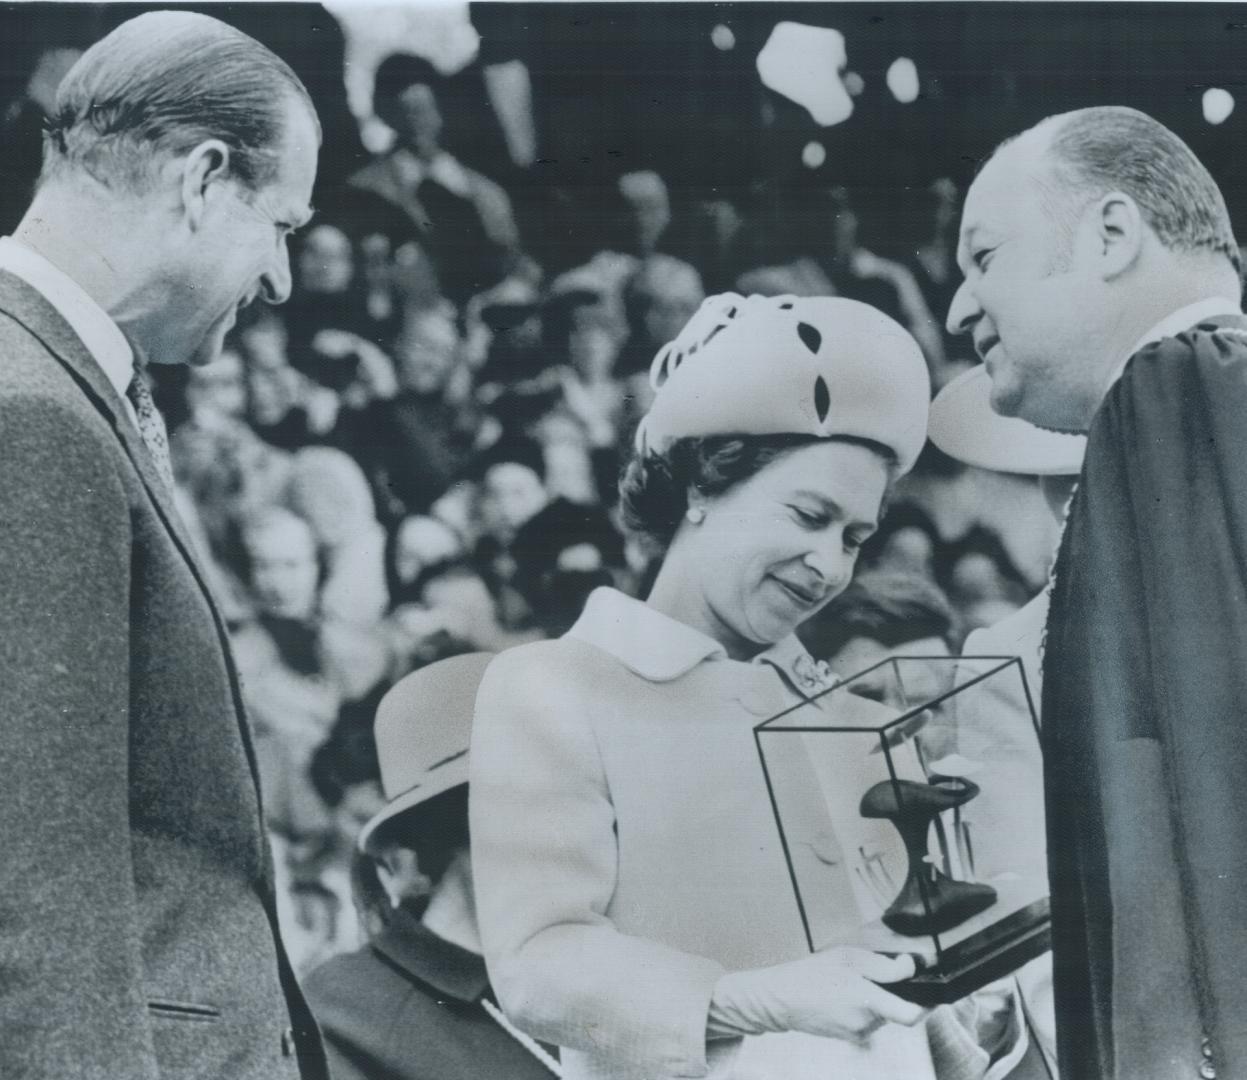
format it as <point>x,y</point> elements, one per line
<point>28,307</point>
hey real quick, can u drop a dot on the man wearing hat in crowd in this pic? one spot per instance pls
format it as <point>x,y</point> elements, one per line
<point>964,426</point>
<point>1102,291</point>
<point>415,1003</point>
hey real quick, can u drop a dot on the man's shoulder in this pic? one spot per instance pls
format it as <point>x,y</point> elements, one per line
<point>35,385</point>
<point>1222,333</point>
<point>338,976</point>
<point>1213,348</point>
<point>29,368</point>
<point>361,990</point>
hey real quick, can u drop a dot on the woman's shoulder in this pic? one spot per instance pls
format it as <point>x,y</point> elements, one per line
<point>540,669</point>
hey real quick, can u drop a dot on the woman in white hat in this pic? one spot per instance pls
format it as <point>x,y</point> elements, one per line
<point>634,902</point>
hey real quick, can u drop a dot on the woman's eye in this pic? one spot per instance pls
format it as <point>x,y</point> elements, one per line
<point>808,519</point>
<point>981,257</point>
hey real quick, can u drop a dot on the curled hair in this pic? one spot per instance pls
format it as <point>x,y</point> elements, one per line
<point>162,83</point>
<point>653,490</point>
<point>1112,148</point>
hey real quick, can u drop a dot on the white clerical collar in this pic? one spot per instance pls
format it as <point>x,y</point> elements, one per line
<point>658,647</point>
<point>93,325</point>
<point>1171,325</point>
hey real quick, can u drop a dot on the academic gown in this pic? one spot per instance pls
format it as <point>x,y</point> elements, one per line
<point>1145,723</point>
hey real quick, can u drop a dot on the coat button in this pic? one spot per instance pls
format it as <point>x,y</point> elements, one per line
<point>1206,1070</point>
<point>287,1043</point>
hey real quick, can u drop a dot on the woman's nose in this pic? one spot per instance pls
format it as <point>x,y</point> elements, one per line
<point>833,567</point>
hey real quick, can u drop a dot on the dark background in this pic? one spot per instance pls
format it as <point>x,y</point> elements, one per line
<point>627,86</point>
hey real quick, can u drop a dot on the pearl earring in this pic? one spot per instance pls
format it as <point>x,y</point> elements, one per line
<point>695,514</point>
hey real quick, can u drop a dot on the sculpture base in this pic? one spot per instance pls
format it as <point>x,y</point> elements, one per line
<point>937,904</point>
<point>991,954</point>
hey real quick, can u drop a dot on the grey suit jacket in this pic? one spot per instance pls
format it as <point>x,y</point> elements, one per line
<point>138,934</point>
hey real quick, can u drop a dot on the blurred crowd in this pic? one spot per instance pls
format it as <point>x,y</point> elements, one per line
<point>417,455</point>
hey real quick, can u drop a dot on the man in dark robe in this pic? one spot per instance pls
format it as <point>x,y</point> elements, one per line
<point>1102,292</point>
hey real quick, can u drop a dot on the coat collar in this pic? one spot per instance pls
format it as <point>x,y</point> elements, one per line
<point>660,649</point>
<point>409,945</point>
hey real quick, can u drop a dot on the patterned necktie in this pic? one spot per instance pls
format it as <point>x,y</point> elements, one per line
<point>151,427</point>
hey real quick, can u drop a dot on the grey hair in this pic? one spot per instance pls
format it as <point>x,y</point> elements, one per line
<point>162,83</point>
<point>1113,148</point>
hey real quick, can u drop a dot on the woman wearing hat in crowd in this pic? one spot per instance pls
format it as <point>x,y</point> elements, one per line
<point>415,1003</point>
<point>634,902</point>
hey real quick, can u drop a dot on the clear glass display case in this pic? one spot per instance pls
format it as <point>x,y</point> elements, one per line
<point>909,801</point>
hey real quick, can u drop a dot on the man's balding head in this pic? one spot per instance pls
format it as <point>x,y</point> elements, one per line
<point>1077,237</point>
<point>1091,152</point>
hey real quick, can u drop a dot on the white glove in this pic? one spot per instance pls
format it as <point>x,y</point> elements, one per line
<point>833,994</point>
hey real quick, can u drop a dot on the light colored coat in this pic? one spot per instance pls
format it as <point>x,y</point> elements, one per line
<point>626,854</point>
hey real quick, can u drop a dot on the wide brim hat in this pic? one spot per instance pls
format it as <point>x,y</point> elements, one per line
<point>820,366</point>
<point>423,730</point>
<point>964,425</point>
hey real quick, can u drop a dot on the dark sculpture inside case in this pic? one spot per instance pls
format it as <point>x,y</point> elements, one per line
<point>930,902</point>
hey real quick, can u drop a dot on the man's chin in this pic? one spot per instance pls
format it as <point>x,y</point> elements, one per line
<point>209,349</point>
<point>1006,400</point>
<point>1047,414</point>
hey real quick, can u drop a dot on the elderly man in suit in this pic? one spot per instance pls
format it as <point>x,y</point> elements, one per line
<point>138,935</point>
<point>1102,292</point>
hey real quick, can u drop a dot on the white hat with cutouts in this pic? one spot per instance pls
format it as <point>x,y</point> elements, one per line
<point>771,365</point>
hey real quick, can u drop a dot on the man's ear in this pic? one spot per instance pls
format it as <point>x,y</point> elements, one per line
<point>1119,232</point>
<point>208,164</point>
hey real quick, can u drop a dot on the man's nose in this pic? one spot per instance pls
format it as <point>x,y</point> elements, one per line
<point>964,311</point>
<point>275,283</point>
